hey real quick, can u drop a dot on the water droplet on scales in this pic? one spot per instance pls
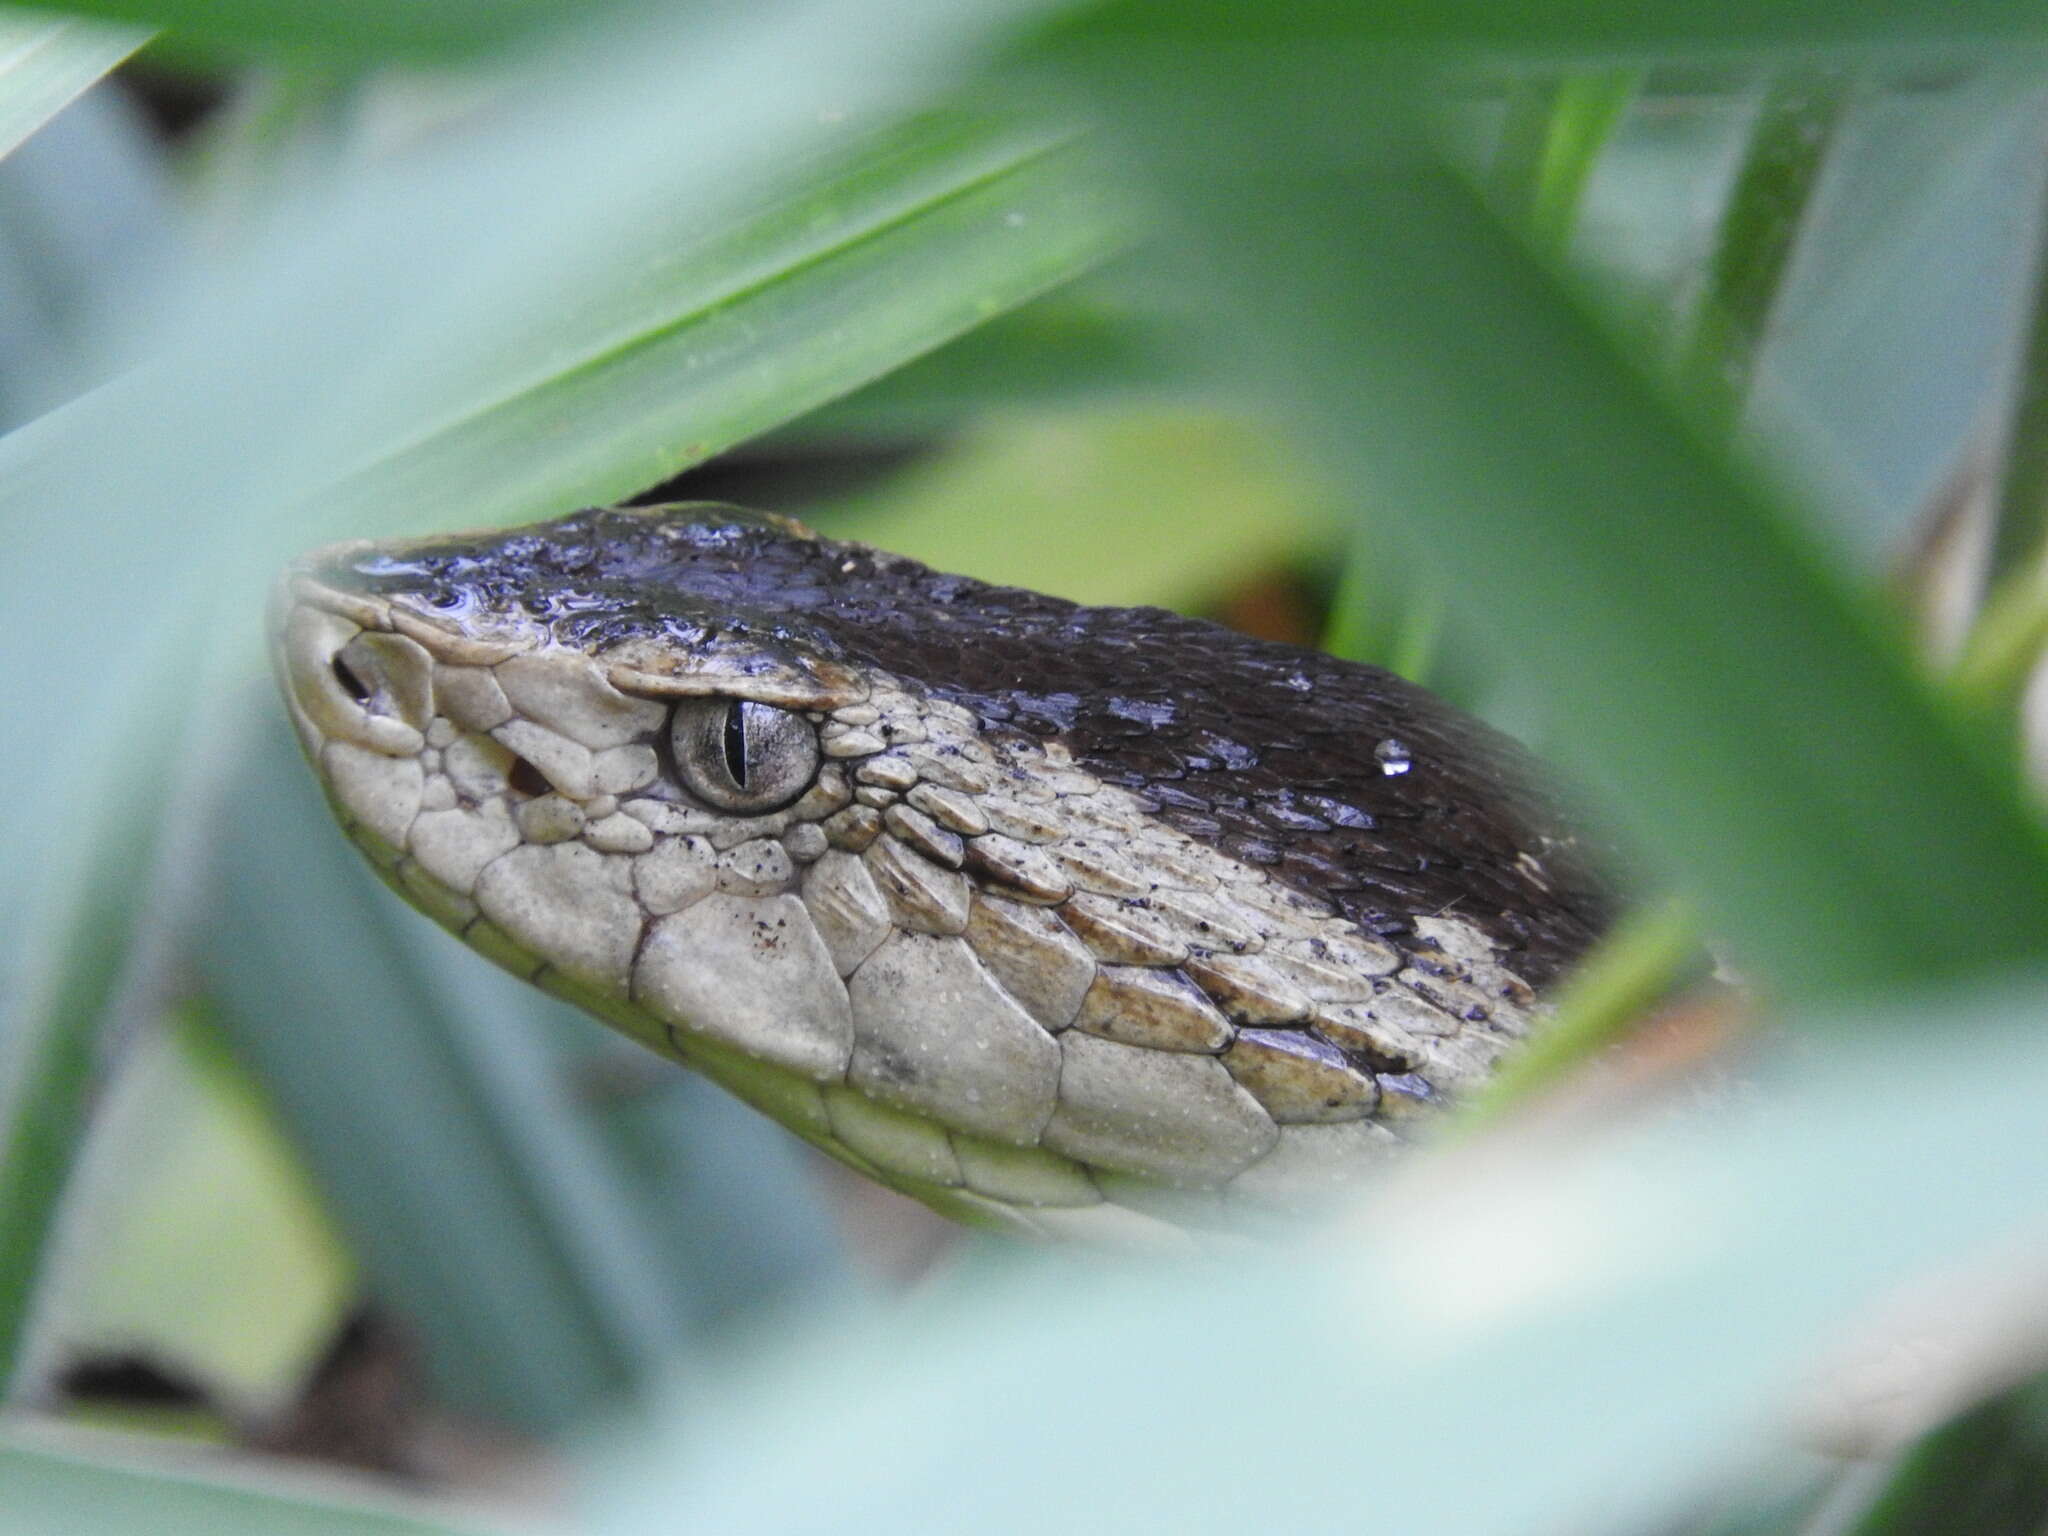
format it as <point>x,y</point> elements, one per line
<point>1393,757</point>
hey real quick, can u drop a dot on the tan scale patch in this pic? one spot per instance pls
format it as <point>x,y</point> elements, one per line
<point>1057,1013</point>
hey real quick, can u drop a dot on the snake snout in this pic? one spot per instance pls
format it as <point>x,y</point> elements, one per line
<point>370,687</point>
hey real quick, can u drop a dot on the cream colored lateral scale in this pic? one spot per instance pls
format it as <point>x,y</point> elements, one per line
<point>652,762</point>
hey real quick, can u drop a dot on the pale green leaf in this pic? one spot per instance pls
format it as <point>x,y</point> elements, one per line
<point>73,1488</point>
<point>45,62</point>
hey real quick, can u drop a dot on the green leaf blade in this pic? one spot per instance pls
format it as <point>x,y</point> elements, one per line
<point>51,1488</point>
<point>860,290</point>
<point>1752,717</point>
<point>46,63</point>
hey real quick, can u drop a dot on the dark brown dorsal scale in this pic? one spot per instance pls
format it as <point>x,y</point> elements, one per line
<point>1341,780</point>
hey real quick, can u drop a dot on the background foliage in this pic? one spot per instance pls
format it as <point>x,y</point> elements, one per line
<point>1667,386</point>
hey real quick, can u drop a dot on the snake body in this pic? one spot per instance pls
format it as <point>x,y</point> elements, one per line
<point>1083,922</point>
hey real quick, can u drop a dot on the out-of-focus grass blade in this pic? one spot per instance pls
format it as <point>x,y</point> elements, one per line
<point>88,224</point>
<point>1549,1337</point>
<point>1093,342</point>
<point>281,134</point>
<point>729,1203</point>
<point>1102,507</point>
<point>352,29</point>
<point>1745,272</point>
<point>1651,205</point>
<point>2022,525</point>
<point>78,945</point>
<point>1383,615</point>
<point>1887,358</point>
<point>1984,1473</point>
<point>1783,1506</point>
<point>79,941</point>
<point>848,278</point>
<point>434,29</point>
<point>1745,710</point>
<point>1634,967</point>
<point>2004,647</point>
<point>1515,164</point>
<point>50,1053</point>
<point>46,61</point>
<point>86,1488</point>
<point>1565,30</point>
<point>1551,141</point>
<point>195,1236</point>
<point>2021,532</point>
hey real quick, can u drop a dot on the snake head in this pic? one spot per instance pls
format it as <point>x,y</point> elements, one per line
<point>552,766</point>
<point>955,881</point>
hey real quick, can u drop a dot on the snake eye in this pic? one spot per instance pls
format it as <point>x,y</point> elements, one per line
<point>738,755</point>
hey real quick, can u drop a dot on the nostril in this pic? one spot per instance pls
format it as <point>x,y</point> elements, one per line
<point>527,779</point>
<point>351,684</point>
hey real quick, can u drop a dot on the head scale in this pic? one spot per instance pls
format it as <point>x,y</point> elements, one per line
<point>964,884</point>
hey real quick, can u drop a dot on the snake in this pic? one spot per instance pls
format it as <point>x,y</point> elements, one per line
<point>1090,924</point>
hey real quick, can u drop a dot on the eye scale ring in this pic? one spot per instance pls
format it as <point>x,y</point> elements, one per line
<point>742,755</point>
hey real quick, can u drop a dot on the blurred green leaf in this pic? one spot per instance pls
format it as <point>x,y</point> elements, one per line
<point>1101,341</point>
<point>1984,1473</point>
<point>1553,138</point>
<point>1755,1505</point>
<point>199,1241</point>
<point>62,1490</point>
<point>88,225</point>
<point>1636,965</point>
<point>1788,145</point>
<point>45,62</point>
<point>1571,30</point>
<point>1386,615</point>
<point>281,134</point>
<point>2005,645</point>
<point>1131,506</point>
<point>1886,361</point>
<point>912,244</point>
<point>1750,715</point>
<point>1514,165</point>
<point>1577,29</point>
<point>355,29</point>
<point>51,1060</point>
<point>2021,530</point>
<point>1651,204</point>
<point>78,946</point>
<point>1544,1336</point>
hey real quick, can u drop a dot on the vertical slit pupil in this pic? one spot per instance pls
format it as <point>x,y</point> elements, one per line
<point>736,743</point>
